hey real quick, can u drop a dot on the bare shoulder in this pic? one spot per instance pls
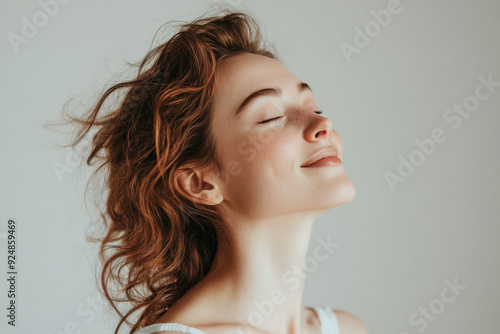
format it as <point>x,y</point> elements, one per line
<point>350,324</point>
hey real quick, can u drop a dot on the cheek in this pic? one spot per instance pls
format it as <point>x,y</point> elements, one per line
<point>282,150</point>
<point>263,148</point>
<point>270,148</point>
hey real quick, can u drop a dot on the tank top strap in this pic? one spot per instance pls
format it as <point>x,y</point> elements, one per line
<point>169,327</point>
<point>328,320</point>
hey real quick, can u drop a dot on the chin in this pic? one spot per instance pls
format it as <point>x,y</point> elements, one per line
<point>344,193</point>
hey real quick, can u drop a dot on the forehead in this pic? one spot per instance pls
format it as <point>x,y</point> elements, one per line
<point>240,75</point>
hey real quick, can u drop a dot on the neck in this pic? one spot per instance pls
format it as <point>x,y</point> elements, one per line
<point>261,272</point>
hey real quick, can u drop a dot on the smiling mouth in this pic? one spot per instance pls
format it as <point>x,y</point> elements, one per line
<point>325,162</point>
<point>327,156</point>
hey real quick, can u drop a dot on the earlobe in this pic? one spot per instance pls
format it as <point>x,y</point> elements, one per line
<point>195,186</point>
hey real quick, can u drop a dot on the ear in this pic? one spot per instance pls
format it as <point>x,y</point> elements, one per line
<point>198,185</point>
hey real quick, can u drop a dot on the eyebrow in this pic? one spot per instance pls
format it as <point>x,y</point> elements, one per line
<point>273,91</point>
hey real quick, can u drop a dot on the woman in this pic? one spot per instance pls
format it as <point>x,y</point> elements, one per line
<point>219,161</point>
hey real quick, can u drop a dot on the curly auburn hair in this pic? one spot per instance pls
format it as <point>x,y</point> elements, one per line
<point>157,243</point>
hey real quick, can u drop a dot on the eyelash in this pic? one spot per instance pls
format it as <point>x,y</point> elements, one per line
<point>319,112</point>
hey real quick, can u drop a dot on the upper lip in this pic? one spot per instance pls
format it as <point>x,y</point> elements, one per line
<point>329,151</point>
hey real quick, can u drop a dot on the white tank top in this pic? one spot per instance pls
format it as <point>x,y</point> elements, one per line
<point>327,318</point>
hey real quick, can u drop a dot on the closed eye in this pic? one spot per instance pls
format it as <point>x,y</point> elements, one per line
<point>270,120</point>
<point>319,112</point>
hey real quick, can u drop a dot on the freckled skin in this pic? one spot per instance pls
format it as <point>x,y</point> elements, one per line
<point>271,182</point>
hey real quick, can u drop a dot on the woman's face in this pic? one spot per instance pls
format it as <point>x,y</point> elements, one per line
<point>262,162</point>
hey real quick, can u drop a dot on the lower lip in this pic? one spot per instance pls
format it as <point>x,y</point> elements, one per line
<point>325,162</point>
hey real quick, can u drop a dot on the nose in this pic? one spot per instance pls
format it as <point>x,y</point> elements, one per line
<point>319,128</point>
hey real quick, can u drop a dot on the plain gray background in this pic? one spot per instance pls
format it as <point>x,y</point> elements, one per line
<point>398,247</point>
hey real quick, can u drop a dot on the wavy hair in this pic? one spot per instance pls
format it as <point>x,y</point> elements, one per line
<point>157,243</point>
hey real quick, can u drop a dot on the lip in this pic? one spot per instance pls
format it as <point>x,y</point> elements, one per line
<point>318,159</point>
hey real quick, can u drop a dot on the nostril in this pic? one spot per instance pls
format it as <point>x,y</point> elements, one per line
<point>317,134</point>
